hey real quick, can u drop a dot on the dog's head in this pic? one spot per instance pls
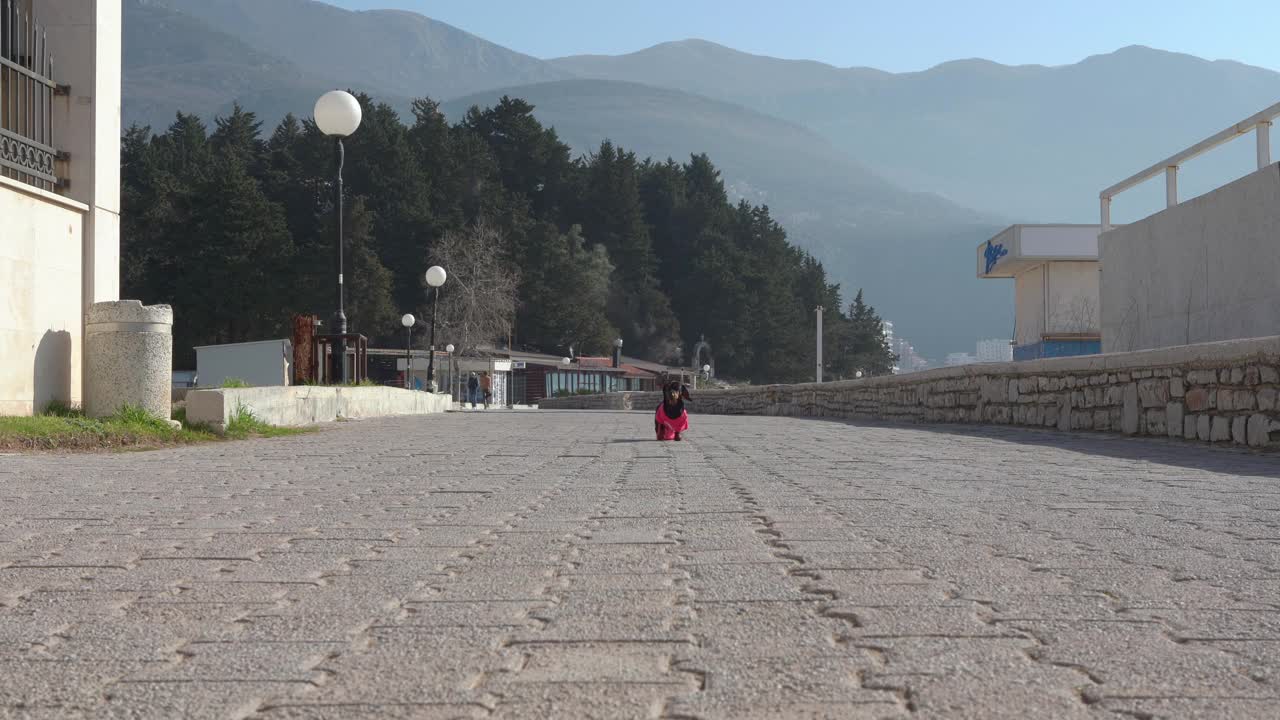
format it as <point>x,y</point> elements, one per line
<point>675,392</point>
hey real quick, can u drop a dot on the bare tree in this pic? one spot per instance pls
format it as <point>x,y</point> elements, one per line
<point>1080,315</point>
<point>478,303</point>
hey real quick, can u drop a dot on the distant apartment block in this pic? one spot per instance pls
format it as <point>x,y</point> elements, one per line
<point>995,351</point>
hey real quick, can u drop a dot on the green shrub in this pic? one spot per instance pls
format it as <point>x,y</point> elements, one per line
<point>58,408</point>
<point>231,383</point>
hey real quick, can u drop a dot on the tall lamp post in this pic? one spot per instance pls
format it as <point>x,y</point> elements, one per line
<point>338,115</point>
<point>435,278</point>
<point>449,349</point>
<point>408,321</point>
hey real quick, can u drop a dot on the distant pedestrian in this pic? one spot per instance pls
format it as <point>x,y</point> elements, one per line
<point>486,388</point>
<point>473,390</point>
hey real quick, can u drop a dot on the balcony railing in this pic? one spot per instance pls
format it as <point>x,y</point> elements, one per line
<point>27,90</point>
<point>1259,124</point>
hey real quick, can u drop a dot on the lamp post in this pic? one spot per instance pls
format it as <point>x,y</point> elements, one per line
<point>435,278</point>
<point>338,115</point>
<point>407,321</point>
<point>818,311</point>
<point>449,349</point>
<point>617,364</point>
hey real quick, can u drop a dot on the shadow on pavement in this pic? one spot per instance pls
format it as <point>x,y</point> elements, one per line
<point>1227,459</point>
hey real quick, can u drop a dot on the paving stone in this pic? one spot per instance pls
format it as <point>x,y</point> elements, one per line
<point>536,565</point>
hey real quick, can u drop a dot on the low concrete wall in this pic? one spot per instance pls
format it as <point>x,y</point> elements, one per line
<point>308,405</point>
<point>1216,392</point>
<point>1205,270</point>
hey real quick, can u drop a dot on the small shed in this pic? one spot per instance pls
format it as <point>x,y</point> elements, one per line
<point>260,364</point>
<point>1056,287</point>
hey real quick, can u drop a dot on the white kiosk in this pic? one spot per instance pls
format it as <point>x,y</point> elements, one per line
<point>1056,287</point>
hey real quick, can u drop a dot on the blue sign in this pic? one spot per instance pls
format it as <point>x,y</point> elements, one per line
<point>993,253</point>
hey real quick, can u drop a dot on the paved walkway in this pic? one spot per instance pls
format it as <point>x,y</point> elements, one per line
<point>764,568</point>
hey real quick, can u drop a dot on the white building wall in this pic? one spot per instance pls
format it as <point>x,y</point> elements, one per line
<point>41,308</point>
<point>1202,271</point>
<point>1029,311</point>
<point>1073,298</point>
<point>61,253</point>
<point>85,39</point>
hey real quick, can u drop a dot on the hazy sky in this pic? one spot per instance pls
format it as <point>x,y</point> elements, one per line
<point>897,35</point>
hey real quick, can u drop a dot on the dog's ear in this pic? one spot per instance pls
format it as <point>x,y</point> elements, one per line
<point>684,392</point>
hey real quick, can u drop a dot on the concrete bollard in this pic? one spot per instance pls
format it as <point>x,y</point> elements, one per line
<point>128,358</point>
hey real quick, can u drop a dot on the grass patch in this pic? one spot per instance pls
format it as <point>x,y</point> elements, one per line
<point>231,383</point>
<point>244,424</point>
<point>66,428</point>
<point>61,427</point>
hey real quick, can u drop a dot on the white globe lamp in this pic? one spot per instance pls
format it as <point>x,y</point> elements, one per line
<point>435,278</point>
<point>338,114</point>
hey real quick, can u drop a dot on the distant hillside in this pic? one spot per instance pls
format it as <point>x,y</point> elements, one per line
<point>277,56</point>
<point>906,249</point>
<point>175,62</point>
<point>390,52</point>
<point>1033,142</point>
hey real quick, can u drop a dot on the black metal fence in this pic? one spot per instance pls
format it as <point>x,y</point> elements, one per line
<point>27,90</point>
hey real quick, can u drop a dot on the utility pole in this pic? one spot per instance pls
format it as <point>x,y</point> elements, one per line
<point>818,312</point>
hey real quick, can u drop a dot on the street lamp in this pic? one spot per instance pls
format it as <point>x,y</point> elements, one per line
<point>449,349</point>
<point>338,115</point>
<point>435,278</point>
<point>407,321</point>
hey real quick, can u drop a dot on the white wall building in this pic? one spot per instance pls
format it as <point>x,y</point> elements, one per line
<point>958,359</point>
<point>995,351</point>
<point>59,190</point>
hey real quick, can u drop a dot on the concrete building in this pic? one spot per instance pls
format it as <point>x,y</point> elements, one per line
<point>909,360</point>
<point>1056,296</point>
<point>995,351</point>
<point>59,191</point>
<point>1203,270</point>
<point>959,359</point>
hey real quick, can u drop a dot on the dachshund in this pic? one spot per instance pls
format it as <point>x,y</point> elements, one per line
<point>671,418</point>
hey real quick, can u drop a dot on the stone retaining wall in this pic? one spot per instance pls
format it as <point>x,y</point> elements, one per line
<point>1223,392</point>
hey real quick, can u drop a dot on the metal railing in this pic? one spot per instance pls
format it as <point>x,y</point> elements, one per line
<point>1260,124</point>
<point>27,90</point>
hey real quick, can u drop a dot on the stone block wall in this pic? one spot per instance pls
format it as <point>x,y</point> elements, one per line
<point>1225,392</point>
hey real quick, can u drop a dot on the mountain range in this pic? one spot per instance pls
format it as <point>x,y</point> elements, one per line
<point>891,179</point>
